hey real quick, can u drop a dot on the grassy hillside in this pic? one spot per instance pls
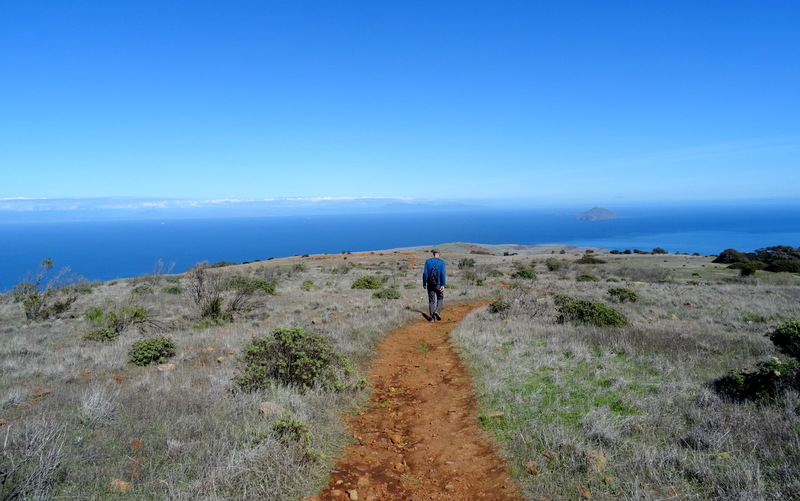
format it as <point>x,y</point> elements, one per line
<point>619,412</point>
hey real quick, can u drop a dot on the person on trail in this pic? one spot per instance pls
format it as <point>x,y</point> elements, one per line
<point>434,279</point>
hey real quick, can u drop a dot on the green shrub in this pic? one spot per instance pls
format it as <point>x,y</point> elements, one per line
<point>587,277</point>
<point>100,334</point>
<point>151,350</point>
<point>94,315</point>
<point>587,259</point>
<point>584,311</point>
<point>173,289</point>
<point>623,295</point>
<point>308,285</point>
<point>787,338</point>
<point>142,290</point>
<point>499,306</point>
<point>367,282</point>
<point>496,274</point>
<point>770,379</point>
<point>291,357</point>
<point>386,294</point>
<point>525,274</point>
<point>250,286</point>
<point>111,323</point>
<point>784,266</point>
<point>552,264</point>
<point>291,430</point>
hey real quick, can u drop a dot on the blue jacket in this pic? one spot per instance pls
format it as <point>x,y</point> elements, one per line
<point>440,266</point>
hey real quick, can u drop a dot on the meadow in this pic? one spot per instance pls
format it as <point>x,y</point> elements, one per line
<point>579,410</point>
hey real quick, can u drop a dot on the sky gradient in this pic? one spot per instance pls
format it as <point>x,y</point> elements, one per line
<point>596,102</point>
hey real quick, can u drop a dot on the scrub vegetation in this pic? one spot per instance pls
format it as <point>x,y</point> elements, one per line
<point>665,377</point>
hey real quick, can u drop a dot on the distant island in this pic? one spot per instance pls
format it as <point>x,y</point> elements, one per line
<point>596,214</point>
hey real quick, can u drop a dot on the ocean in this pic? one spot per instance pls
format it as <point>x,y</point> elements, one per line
<point>106,250</point>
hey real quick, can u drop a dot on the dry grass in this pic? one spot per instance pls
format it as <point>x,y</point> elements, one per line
<point>638,396</point>
<point>76,416</point>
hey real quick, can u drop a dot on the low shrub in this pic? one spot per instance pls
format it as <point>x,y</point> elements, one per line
<point>151,350</point>
<point>250,286</point>
<point>291,430</point>
<point>466,263</point>
<point>552,264</point>
<point>587,259</point>
<point>142,290</point>
<point>100,334</point>
<point>308,285</point>
<point>584,311</point>
<point>525,273</point>
<point>292,357</point>
<point>41,299</point>
<point>786,338</point>
<point>386,294</point>
<point>499,306</point>
<point>367,282</point>
<point>587,277</point>
<point>784,266</point>
<point>769,379</point>
<point>111,323</point>
<point>623,295</point>
<point>173,289</point>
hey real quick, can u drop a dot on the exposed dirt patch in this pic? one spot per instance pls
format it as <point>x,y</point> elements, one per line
<point>418,438</point>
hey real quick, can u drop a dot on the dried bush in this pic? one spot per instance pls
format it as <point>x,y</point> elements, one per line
<point>219,297</point>
<point>466,263</point>
<point>41,300</point>
<point>29,460</point>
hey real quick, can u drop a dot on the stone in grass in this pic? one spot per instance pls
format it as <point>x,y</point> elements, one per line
<point>270,409</point>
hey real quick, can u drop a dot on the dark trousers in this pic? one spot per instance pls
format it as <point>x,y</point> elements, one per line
<point>435,300</point>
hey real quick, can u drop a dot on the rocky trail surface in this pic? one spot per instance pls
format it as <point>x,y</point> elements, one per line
<point>418,437</point>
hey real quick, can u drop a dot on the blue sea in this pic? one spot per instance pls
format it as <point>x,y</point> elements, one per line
<point>106,250</point>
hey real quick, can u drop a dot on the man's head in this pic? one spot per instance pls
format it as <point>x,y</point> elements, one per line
<point>435,252</point>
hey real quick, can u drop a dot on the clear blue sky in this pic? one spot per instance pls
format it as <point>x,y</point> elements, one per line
<point>596,101</point>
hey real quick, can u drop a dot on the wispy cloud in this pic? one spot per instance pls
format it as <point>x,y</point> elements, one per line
<point>18,204</point>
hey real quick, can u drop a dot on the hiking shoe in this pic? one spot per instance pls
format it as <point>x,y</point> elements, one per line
<point>436,316</point>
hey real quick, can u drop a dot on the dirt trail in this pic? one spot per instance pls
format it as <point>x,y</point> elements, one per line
<point>419,437</point>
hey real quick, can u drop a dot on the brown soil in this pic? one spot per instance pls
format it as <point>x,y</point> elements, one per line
<point>418,438</point>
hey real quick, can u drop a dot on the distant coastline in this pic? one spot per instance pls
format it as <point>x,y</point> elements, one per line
<point>106,250</point>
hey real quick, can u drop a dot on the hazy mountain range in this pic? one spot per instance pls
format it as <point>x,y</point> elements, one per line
<point>84,209</point>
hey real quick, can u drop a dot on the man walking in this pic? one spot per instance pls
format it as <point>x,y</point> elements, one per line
<point>434,279</point>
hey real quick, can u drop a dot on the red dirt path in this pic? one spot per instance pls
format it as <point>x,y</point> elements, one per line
<point>419,438</point>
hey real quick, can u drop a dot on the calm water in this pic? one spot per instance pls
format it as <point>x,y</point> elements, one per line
<point>107,250</point>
